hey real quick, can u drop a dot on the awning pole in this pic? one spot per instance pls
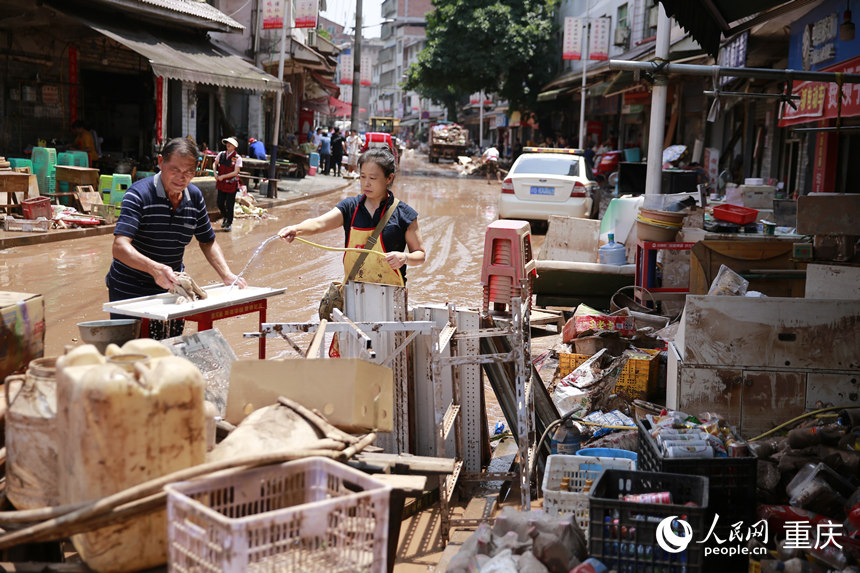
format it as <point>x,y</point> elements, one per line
<point>584,60</point>
<point>755,73</point>
<point>273,164</point>
<point>654,173</point>
<point>481,121</point>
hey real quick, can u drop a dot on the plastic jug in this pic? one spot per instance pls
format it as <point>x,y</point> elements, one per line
<point>124,420</point>
<point>566,439</point>
<point>31,436</point>
<point>612,253</point>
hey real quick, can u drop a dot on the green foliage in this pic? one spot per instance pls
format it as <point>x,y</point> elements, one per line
<point>506,47</point>
<point>323,33</point>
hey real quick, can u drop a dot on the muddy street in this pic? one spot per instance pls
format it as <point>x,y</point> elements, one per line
<point>453,214</point>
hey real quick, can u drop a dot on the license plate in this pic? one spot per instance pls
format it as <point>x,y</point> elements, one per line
<point>542,190</point>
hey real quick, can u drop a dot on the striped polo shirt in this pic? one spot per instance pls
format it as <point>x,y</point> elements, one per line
<point>157,231</point>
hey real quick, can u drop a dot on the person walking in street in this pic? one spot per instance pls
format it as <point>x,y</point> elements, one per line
<point>490,159</point>
<point>325,153</point>
<point>228,163</point>
<point>317,138</point>
<point>353,145</point>
<point>359,215</point>
<point>159,217</point>
<point>337,150</point>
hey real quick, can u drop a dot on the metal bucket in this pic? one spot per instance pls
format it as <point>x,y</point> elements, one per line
<point>103,332</point>
<point>32,469</point>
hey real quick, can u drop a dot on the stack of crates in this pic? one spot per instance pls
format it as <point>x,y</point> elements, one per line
<point>44,166</point>
<point>76,158</point>
<point>731,489</point>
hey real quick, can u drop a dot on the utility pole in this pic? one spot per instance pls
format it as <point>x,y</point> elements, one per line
<point>356,66</point>
<point>584,65</point>
<point>654,169</point>
<point>481,121</point>
<point>273,163</point>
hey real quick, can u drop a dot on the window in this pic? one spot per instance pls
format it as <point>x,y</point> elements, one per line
<point>621,18</point>
<point>651,19</point>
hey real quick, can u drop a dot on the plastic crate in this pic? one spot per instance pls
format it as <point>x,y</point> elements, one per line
<point>18,163</point>
<point>27,225</point>
<point>578,469</point>
<point>36,207</point>
<point>735,214</point>
<point>638,377</point>
<point>623,534</point>
<point>732,487</point>
<point>313,514</point>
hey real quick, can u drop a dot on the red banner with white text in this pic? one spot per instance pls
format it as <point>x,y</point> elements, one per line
<point>818,100</point>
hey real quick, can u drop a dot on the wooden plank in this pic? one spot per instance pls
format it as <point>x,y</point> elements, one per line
<point>407,463</point>
<point>407,484</point>
<point>571,239</point>
<point>832,281</point>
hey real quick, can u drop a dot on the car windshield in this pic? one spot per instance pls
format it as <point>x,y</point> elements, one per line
<point>562,165</point>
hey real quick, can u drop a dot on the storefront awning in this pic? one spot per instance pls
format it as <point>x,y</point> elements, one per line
<point>189,59</point>
<point>550,95</point>
<point>710,20</point>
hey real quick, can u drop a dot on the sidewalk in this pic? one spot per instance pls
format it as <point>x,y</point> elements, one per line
<point>289,191</point>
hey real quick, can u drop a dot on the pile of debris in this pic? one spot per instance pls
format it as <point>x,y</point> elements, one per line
<point>451,134</point>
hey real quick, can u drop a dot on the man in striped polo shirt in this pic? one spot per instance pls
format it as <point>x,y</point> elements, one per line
<point>159,217</point>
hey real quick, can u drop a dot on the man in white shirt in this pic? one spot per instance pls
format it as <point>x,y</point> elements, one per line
<point>490,159</point>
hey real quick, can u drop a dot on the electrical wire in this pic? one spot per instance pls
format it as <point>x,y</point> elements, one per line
<point>797,419</point>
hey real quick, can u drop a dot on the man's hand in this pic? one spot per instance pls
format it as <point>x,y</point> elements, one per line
<point>232,279</point>
<point>165,277</point>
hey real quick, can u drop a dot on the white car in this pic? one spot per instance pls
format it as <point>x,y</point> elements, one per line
<point>546,181</point>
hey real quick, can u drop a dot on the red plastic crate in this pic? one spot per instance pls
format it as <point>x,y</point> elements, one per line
<point>36,207</point>
<point>735,214</point>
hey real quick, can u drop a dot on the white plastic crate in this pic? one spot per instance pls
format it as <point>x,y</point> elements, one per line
<point>308,515</point>
<point>578,469</point>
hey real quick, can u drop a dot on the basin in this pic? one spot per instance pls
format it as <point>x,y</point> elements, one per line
<point>100,333</point>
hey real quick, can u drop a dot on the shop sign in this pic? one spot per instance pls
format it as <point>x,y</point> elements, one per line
<point>819,100</point>
<point>346,68</point>
<point>629,109</point>
<point>712,163</point>
<point>364,73</point>
<point>733,55</point>
<point>515,119</point>
<point>50,95</point>
<point>572,41</point>
<point>425,115</point>
<point>814,39</point>
<point>273,14</point>
<point>307,12</point>
<point>598,48</point>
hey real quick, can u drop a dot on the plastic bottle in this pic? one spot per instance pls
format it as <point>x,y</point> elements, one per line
<point>612,253</point>
<point>566,439</point>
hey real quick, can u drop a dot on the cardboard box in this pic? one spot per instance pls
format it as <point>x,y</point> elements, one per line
<point>757,196</point>
<point>22,330</point>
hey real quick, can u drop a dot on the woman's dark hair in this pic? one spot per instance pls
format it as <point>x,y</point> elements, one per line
<point>181,146</point>
<point>382,156</point>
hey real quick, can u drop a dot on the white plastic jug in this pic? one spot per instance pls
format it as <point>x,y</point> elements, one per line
<point>122,423</point>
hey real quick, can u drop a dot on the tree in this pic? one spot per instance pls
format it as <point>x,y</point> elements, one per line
<point>506,47</point>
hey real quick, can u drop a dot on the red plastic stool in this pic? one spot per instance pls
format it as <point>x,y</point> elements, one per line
<point>507,261</point>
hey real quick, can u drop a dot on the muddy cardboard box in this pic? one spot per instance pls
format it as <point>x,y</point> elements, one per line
<point>22,330</point>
